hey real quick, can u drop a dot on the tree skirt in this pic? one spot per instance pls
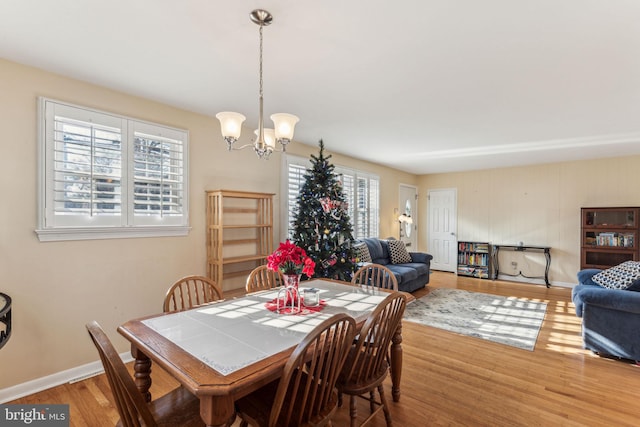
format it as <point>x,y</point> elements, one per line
<point>505,320</point>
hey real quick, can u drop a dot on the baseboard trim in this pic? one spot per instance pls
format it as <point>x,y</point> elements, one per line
<point>534,281</point>
<point>72,375</point>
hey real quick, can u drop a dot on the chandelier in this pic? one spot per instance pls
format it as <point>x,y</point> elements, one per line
<point>231,123</point>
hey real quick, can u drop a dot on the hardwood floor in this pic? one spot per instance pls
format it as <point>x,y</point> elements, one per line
<point>449,379</point>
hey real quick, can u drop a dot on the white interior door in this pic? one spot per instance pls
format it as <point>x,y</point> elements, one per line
<point>408,206</point>
<point>442,223</point>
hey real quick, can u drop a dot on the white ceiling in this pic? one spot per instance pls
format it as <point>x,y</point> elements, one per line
<point>419,85</point>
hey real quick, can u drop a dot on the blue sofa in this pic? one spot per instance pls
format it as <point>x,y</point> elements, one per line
<point>610,317</point>
<point>411,276</point>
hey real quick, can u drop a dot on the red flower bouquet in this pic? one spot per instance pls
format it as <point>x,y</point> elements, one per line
<point>291,259</point>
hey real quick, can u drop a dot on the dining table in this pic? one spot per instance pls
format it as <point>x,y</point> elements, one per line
<point>226,349</point>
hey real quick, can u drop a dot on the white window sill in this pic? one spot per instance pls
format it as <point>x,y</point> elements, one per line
<point>88,233</point>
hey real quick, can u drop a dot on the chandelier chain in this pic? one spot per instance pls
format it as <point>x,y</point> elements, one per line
<point>260,60</point>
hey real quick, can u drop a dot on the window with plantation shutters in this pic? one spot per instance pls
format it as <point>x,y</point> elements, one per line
<point>361,191</point>
<point>295,179</point>
<point>158,171</point>
<point>374,207</point>
<point>105,176</point>
<point>348,186</point>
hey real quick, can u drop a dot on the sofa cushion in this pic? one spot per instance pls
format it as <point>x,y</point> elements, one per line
<point>625,276</point>
<point>403,272</point>
<point>378,255</point>
<point>385,250</point>
<point>398,252</point>
<point>420,267</point>
<point>362,252</point>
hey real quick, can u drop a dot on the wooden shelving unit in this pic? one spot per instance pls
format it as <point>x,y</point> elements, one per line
<point>474,259</point>
<point>609,236</point>
<point>239,234</point>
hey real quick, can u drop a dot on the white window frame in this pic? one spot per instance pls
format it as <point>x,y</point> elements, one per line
<point>124,223</point>
<point>372,198</point>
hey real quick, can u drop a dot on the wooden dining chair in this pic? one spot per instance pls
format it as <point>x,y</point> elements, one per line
<point>261,278</point>
<point>305,395</point>
<point>176,408</point>
<point>189,292</point>
<point>375,275</point>
<point>367,364</point>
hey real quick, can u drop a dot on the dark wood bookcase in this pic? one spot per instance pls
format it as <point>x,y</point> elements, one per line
<point>609,236</point>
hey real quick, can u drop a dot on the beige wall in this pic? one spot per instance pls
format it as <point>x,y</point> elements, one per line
<point>57,287</point>
<point>538,205</point>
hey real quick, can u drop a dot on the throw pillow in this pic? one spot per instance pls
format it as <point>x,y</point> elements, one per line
<point>625,276</point>
<point>398,252</point>
<point>362,252</point>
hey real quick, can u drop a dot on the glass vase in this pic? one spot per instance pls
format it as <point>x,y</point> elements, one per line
<point>289,294</point>
<point>291,280</point>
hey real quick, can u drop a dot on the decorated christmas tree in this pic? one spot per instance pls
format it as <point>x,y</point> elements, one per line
<point>322,226</point>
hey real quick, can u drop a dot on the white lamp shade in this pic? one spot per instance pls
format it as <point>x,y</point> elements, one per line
<point>405,218</point>
<point>230,123</point>
<point>269,136</point>
<point>284,125</point>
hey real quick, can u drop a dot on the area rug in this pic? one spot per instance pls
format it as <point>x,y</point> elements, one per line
<point>505,320</point>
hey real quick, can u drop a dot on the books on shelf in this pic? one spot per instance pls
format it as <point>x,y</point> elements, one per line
<point>625,240</point>
<point>479,272</point>
<point>473,247</point>
<point>481,259</point>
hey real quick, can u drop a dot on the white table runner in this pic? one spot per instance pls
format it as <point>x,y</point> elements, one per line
<point>229,335</point>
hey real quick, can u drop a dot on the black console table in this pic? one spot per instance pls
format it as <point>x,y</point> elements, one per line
<point>5,318</point>
<point>522,248</point>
